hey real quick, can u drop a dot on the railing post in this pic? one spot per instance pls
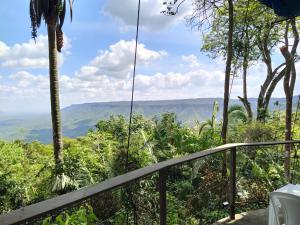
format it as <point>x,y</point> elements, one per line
<point>163,197</point>
<point>232,183</point>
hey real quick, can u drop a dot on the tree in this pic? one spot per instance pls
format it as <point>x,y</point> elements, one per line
<point>206,11</point>
<point>53,13</point>
<point>269,38</point>
<point>229,58</point>
<point>289,85</point>
<point>254,38</point>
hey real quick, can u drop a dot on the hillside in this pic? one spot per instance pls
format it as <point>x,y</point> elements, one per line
<point>78,118</point>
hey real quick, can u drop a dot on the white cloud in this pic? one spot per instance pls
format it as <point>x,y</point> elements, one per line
<point>151,17</point>
<point>117,62</point>
<point>31,54</point>
<point>105,79</point>
<point>7,89</point>
<point>191,60</point>
<point>101,79</point>
<point>89,86</point>
<point>3,49</point>
<point>30,81</point>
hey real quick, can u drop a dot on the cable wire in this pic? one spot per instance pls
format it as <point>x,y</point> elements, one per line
<point>133,83</point>
<point>131,103</point>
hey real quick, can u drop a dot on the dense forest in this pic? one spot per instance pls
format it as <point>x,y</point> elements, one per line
<point>242,33</point>
<point>195,191</point>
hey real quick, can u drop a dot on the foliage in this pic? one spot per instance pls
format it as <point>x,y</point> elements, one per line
<point>251,23</point>
<point>237,113</point>
<point>196,190</point>
<point>212,122</point>
<point>255,37</point>
<point>256,132</point>
<point>45,9</point>
<point>83,216</point>
<point>24,169</point>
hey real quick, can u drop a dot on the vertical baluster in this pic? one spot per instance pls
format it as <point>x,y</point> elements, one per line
<point>232,182</point>
<point>163,197</point>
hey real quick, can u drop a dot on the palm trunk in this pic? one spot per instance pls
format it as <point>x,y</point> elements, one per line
<point>227,81</point>
<point>54,97</point>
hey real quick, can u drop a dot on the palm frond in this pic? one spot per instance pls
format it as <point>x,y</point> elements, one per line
<point>71,8</point>
<point>235,108</point>
<point>62,15</point>
<point>203,125</point>
<point>238,112</point>
<point>38,9</point>
<point>62,183</point>
<point>240,115</point>
<point>33,19</point>
<point>46,9</point>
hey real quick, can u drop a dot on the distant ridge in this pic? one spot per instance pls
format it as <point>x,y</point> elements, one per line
<point>78,118</point>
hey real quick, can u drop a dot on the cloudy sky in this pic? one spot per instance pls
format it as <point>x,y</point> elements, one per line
<point>97,60</point>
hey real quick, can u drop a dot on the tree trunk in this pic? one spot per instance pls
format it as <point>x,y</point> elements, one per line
<point>267,89</point>
<point>262,111</point>
<point>289,85</point>
<point>244,99</point>
<point>272,87</point>
<point>288,110</point>
<point>227,81</point>
<point>273,76</point>
<point>54,97</point>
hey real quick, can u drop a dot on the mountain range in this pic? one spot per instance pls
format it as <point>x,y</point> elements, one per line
<point>78,118</point>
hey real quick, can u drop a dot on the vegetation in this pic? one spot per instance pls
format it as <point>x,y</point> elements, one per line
<point>195,191</point>
<point>250,35</point>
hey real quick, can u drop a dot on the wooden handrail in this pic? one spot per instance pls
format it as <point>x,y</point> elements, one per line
<point>55,204</point>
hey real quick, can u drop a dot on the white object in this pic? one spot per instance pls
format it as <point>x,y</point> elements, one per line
<point>286,202</point>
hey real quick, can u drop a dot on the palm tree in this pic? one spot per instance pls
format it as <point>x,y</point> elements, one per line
<point>210,122</point>
<point>235,113</point>
<point>238,113</point>
<point>53,13</point>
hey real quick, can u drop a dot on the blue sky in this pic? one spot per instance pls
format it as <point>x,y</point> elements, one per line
<point>96,62</point>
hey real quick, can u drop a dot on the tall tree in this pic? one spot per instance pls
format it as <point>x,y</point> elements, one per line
<point>204,12</point>
<point>270,34</point>
<point>289,85</point>
<point>229,58</point>
<point>53,13</point>
<point>254,38</point>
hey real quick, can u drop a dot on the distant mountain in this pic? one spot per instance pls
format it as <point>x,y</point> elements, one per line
<point>78,118</point>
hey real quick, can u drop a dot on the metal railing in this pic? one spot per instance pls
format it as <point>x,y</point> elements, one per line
<point>44,208</point>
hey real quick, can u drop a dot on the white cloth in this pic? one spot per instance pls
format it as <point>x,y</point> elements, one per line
<point>290,189</point>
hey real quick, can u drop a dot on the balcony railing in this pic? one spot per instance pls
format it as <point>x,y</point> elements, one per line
<point>36,211</point>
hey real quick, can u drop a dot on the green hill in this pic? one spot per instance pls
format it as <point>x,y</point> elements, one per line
<point>78,118</point>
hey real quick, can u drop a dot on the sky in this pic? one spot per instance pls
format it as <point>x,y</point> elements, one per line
<point>96,63</point>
